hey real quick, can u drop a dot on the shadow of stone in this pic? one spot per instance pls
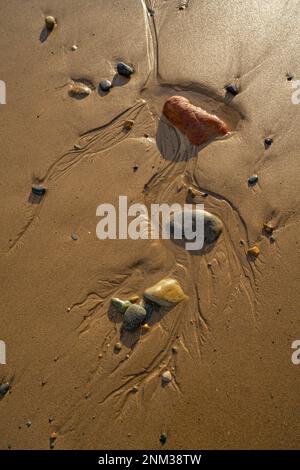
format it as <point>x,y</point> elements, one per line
<point>207,248</point>
<point>228,97</point>
<point>119,80</point>
<point>173,145</point>
<point>130,338</point>
<point>44,34</point>
<point>34,198</point>
<point>101,92</point>
<point>114,315</point>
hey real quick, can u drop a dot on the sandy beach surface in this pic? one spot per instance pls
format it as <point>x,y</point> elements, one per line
<point>228,344</point>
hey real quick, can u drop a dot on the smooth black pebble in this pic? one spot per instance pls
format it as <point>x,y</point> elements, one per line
<point>124,69</point>
<point>232,89</point>
<point>105,85</point>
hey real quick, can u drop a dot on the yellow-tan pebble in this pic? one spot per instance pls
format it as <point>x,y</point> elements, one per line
<point>254,251</point>
<point>50,22</point>
<point>133,299</point>
<point>145,328</point>
<point>165,293</point>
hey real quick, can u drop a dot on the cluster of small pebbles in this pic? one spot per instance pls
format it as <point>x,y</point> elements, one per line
<point>123,69</point>
<point>166,293</point>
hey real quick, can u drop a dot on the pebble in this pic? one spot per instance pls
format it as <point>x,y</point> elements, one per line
<point>124,69</point>
<point>134,389</point>
<point>50,22</point>
<point>268,228</point>
<point>268,141</point>
<point>194,122</point>
<point>77,147</point>
<point>254,251</point>
<point>105,85</point>
<point>166,377</point>
<point>232,89</point>
<point>128,124</point>
<point>4,388</point>
<point>118,347</point>
<point>50,419</point>
<point>213,226</point>
<point>74,236</point>
<point>174,349</point>
<point>29,423</point>
<point>134,298</point>
<point>146,327</point>
<point>192,192</point>
<point>165,293</point>
<point>79,89</point>
<point>252,180</point>
<point>74,47</point>
<point>121,305</point>
<point>38,190</point>
<point>135,168</point>
<point>163,437</point>
<point>134,317</point>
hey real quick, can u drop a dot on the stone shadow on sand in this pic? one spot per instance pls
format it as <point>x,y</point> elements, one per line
<point>130,338</point>
<point>173,145</point>
<point>44,34</point>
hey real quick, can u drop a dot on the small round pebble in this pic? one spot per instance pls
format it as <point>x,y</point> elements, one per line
<point>134,389</point>
<point>166,377</point>
<point>105,85</point>
<point>253,179</point>
<point>268,141</point>
<point>118,347</point>
<point>232,89</point>
<point>124,69</point>
<point>128,124</point>
<point>4,388</point>
<point>29,423</point>
<point>50,22</point>
<point>74,236</point>
<point>135,168</point>
<point>38,190</point>
<point>163,437</point>
<point>74,47</point>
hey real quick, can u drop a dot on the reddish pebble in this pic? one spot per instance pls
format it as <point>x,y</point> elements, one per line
<point>197,124</point>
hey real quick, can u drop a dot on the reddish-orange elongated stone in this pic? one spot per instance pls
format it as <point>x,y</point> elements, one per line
<point>197,124</point>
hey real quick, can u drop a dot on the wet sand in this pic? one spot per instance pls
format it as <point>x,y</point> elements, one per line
<point>234,383</point>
